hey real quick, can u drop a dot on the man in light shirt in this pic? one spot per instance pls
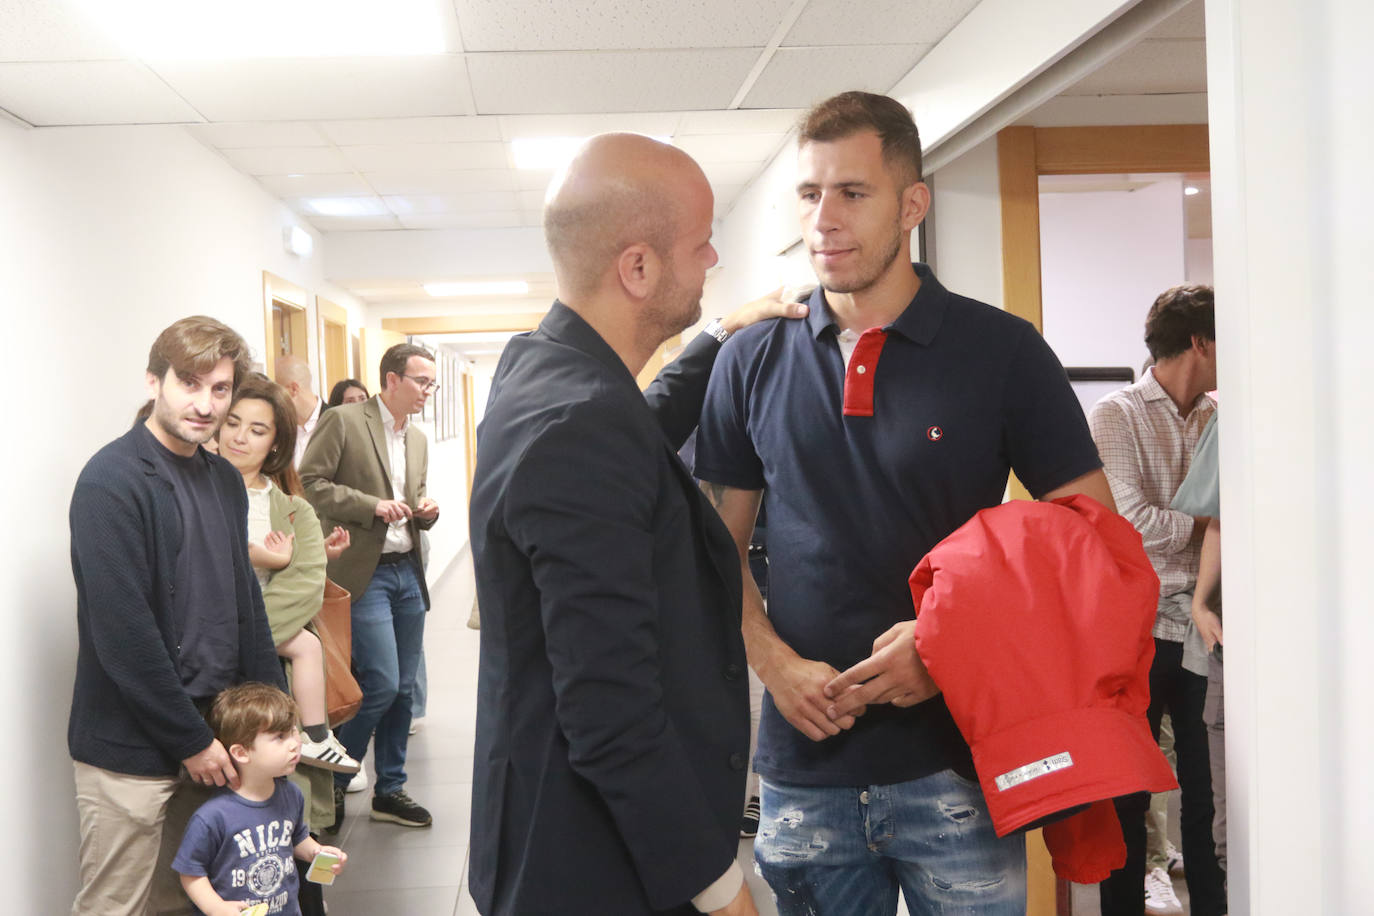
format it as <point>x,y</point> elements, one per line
<point>1146,434</point>
<point>293,374</point>
<point>365,470</point>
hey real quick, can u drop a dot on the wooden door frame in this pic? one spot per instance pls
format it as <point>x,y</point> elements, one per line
<point>1026,153</point>
<point>277,289</point>
<point>1023,155</point>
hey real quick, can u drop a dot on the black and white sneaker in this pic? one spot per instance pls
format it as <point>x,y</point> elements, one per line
<point>749,824</point>
<point>328,754</point>
<point>399,808</point>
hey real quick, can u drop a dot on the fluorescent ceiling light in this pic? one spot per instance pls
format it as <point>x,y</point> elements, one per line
<point>346,206</point>
<point>549,153</point>
<point>479,288</point>
<point>202,30</point>
<point>1190,190</point>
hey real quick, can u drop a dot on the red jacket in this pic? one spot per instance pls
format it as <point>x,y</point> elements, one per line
<point>1034,619</point>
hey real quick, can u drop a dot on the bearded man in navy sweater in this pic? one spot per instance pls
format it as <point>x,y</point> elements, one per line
<point>168,614</point>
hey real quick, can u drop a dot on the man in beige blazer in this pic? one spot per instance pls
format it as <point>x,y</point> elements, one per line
<point>365,470</point>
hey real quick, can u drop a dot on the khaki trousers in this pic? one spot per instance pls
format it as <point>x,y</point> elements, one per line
<point>131,827</point>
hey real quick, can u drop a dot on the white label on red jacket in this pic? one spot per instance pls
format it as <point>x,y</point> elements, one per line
<point>1033,771</point>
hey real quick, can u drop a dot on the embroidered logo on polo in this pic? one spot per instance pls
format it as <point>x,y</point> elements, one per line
<point>1024,774</point>
<point>935,434</point>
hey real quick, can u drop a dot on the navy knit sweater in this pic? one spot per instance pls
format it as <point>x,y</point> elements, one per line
<point>130,713</point>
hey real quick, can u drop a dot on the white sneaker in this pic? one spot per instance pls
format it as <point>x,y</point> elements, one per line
<point>328,754</point>
<point>1173,859</point>
<point>1160,899</point>
<point>359,781</point>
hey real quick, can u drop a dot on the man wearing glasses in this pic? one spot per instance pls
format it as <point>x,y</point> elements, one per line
<point>365,470</point>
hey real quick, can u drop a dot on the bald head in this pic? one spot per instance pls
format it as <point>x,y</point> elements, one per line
<point>293,374</point>
<point>293,369</point>
<point>620,190</point>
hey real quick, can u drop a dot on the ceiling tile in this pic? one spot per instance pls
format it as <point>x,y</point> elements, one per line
<point>431,204</point>
<point>801,77</point>
<point>289,160</point>
<point>501,220</point>
<point>499,25</point>
<point>287,89</point>
<point>725,198</point>
<point>427,156</point>
<point>731,147</point>
<point>441,182</point>
<point>1189,22</point>
<point>1151,67</point>
<point>37,30</point>
<point>337,185</point>
<point>532,200</point>
<point>611,81</point>
<point>534,179</point>
<point>883,22</point>
<point>382,131</point>
<point>353,223</point>
<point>533,217</point>
<point>739,121</point>
<point>726,174</point>
<point>654,124</point>
<point>279,133</point>
<point>49,94</point>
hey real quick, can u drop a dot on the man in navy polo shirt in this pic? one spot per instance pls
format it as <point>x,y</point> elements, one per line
<point>877,426</point>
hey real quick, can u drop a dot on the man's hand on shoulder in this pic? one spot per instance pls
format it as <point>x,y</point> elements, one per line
<point>212,767</point>
<point>894,674</point>
<point>770,306</point>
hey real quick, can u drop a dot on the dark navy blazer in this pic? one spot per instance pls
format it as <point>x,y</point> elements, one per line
<point>612,702</point>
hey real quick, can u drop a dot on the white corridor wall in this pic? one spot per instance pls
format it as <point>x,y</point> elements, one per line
<point>109,235</point>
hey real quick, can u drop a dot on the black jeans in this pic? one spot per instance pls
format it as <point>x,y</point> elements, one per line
<point>1181,694</point>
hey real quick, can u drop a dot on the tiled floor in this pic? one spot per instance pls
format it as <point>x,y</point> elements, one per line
<point>404,871</point>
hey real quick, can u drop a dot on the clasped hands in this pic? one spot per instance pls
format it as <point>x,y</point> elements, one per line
<point>819,701</point>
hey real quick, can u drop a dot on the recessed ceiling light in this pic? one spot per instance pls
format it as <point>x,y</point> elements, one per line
<point>479,288</point>
<point>346,206</point>
<point>181,30</point>
<point>1190,190</point>
<point>546,153</point>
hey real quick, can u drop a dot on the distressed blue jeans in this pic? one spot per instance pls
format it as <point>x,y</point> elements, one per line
<point>829,851</point>
<point>388,638</point>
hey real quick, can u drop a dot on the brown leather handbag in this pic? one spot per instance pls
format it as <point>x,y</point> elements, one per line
<point>334,624</point>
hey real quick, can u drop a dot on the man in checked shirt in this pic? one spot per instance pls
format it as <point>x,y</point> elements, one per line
<point>1145,434</point>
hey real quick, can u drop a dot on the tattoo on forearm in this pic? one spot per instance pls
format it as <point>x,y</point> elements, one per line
<point>715,492</point>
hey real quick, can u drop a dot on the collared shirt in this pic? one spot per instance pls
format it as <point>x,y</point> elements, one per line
<point>398,538</point>
<point>306,429</point>
<point>1146,446</point>
<point>865,468</point>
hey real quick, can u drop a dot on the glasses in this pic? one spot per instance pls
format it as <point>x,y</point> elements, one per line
<point>426,384</point>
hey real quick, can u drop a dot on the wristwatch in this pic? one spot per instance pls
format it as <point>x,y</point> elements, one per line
<point>716,330</point>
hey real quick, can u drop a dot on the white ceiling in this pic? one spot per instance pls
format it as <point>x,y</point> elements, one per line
<point>423,142</point>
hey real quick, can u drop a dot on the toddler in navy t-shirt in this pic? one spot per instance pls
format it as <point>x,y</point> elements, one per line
<point>242,844</point>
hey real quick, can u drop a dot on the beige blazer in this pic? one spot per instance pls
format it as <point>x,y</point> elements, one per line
<point>346,471</point>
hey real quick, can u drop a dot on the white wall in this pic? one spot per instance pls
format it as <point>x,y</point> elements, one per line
<point>109,235</point>
<point>1293,274</point>
<point>1104,257</point>
<point>966,224</point>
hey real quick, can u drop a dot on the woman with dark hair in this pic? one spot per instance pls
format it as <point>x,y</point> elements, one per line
<point>259,438</point>
<point>348,391</point>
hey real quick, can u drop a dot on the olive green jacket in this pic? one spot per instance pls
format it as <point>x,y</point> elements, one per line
<point>292,598</point>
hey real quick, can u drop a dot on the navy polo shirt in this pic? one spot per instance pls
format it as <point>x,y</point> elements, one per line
<point>865,471</point>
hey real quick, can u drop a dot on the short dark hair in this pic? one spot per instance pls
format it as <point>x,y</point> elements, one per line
<point>242,712</point>
<point>279,466</point>
<point>395,358</point>
<point>850,113</point>
<point>336,394</point>
<point>1177,316</point>
<point>192,346</point>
